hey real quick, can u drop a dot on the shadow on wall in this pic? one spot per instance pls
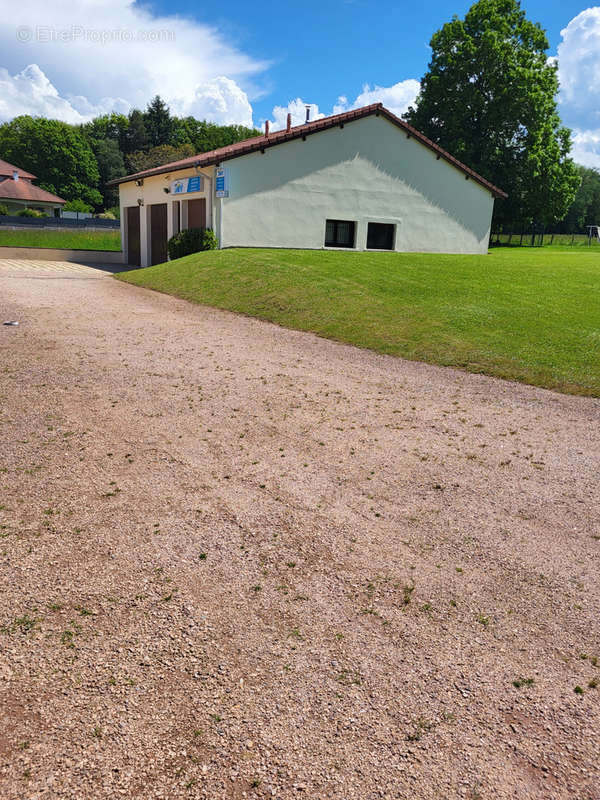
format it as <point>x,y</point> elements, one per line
<point>388,173</point>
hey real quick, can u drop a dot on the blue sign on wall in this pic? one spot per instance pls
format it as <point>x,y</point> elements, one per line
<point>187,185</point>
<point>222,182</point>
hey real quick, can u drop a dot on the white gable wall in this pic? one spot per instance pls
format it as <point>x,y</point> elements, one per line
<point>367,171</point>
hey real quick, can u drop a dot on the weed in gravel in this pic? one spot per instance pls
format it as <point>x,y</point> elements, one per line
<point>421,726</point>
<point>255,783</point>
<point>578,690</point>
<point>24,745</point>
<point>407,592</point>
<point>339,636</point>
<point>216,717</point>
<point>23,624</point>
<point>593,684</point>
<point>97,732</point>
<point>295,634</point>
<point>202,556</point>
<point>523,682</point>
<point>291,564</point>
<point>191,783</point>
<point>594,661</point>
<point>112,492</point>
<point>54,606</point>
<point>459,570</point>
<point>349,677</point>
<point>85,612</point>
<point>257,588</point>
<point>483,620</point>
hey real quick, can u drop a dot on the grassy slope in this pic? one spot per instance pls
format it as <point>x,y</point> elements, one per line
<point>65,239</point>
<point>531,315</point>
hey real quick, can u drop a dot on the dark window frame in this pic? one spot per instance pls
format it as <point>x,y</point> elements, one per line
<point>336,239</point>
<point>390,236</point>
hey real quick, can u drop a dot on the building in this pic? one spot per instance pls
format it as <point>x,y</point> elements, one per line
<point>17,192</point>
<point>360,180</point>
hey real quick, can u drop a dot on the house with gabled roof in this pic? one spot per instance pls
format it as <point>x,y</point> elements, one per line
<point>360,180</point>
<point>17,191</point>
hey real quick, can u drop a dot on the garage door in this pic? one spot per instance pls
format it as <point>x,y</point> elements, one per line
<point>132,217</point>
<point>158,233</point>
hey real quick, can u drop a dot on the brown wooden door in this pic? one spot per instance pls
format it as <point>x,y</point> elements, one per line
<point>158,233</point>
<point>197,213</point>
<point>132,220</point>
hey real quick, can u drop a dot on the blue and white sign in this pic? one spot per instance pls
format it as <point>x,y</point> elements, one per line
<point>187,185</point>
<point>222,182</point>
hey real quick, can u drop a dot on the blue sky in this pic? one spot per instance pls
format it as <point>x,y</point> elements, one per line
<point>244,62</point>
<point>320,50</point>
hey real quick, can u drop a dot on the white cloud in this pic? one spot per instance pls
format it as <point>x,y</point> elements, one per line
<point>586,148</point>
<point>297,108</point>
<point>579,59</point>
<point>396,98</point>
<point>579,75</point>
<point>74,60</point>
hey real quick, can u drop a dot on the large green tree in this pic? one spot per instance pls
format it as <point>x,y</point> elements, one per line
<point>110,166</point>
<point>57,153</point>
<point>489,98</point>
<point>159,123</point>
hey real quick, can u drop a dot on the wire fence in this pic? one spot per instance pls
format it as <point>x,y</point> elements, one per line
<point>537,238</point>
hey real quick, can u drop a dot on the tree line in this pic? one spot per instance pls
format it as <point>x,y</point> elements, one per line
<point>77,161</point>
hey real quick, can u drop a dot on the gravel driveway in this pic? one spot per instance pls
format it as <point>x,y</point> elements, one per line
<point>238,562</point>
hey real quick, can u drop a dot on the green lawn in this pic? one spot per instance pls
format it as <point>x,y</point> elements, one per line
<point>69,239</point>
<point>530,315</point>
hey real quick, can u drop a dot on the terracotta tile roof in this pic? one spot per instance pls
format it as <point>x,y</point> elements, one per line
<point>8,169</point>
<point>24,190</point>
<point>300,131</point>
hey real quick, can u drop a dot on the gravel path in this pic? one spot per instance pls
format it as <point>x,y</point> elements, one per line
<point>243,562</point>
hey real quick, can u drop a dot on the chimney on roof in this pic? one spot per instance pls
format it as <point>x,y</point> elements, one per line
<point>289,122</point>
<point>15,175</point>
<point>308,113</point>
<point>267,128</point>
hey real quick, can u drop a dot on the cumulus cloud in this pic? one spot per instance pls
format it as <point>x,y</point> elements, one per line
<point>75,60</point>
<point>579,74</point>
<point>396,98</point>
<point>586,148</point>
<point>297,108</point>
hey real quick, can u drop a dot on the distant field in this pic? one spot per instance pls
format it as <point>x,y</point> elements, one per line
<point>62,239</point>
<point>528,314</point>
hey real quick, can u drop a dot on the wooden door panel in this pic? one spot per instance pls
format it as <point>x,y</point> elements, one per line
<point>197,213</point>
<point>158,233</point>
<point>132,219</point>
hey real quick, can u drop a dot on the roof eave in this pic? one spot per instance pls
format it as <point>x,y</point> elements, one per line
<point>262,143</point>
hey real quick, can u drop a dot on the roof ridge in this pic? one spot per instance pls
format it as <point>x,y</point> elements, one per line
<point>12,168</point>
<point>264,141</point>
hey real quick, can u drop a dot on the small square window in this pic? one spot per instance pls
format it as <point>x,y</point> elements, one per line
<point>339,233</point>
<point>380,236</point>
